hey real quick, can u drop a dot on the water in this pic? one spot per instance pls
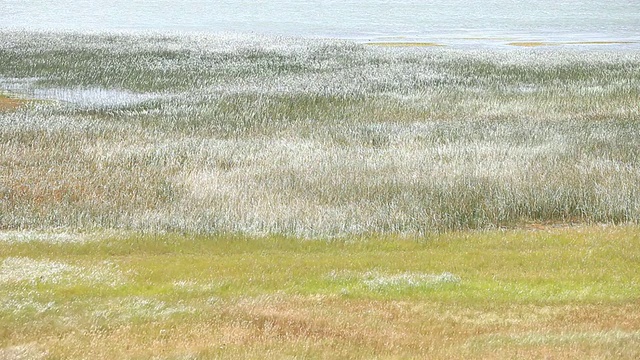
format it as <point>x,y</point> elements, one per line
<point>90,98</point>
<point>447,21</point>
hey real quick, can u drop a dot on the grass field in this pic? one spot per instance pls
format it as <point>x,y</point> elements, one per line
<point>311,138</point>
<point>229,196</point>
<point>556,292</point>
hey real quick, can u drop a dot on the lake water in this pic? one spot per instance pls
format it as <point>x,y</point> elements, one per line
<point>447,21</point>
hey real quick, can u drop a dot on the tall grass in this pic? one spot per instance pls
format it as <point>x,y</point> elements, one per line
<point>231,133</point>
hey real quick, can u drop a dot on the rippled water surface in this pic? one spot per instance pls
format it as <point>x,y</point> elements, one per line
<point>534,20</point>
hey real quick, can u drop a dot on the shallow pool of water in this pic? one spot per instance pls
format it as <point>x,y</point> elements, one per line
<point>83,97</point>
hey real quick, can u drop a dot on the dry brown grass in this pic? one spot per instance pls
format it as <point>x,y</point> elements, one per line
<point>9,104</point>
<point>530,43</point>
<point>332,327</point>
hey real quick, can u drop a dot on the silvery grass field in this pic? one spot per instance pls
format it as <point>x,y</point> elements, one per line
<point>243,196</point>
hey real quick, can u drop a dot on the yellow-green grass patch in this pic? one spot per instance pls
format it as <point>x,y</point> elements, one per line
<point>558,292</point>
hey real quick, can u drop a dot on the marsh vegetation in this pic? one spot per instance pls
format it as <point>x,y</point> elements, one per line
<point>232,196</point>
<point>211,134</point>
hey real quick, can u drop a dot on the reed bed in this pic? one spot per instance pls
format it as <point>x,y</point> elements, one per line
<point>312,138</point>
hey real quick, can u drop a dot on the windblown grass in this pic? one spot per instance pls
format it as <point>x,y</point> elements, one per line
<point>226,133</point>
<point>560,292</point>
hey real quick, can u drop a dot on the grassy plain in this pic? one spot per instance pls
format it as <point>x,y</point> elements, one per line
<point>556,292</point>
<point>247,197</point>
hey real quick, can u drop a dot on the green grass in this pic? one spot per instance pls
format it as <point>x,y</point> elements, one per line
<point>364,187</point>
<point>521,291</point>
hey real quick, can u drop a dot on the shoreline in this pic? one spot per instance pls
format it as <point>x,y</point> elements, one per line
<point>449,40</point>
